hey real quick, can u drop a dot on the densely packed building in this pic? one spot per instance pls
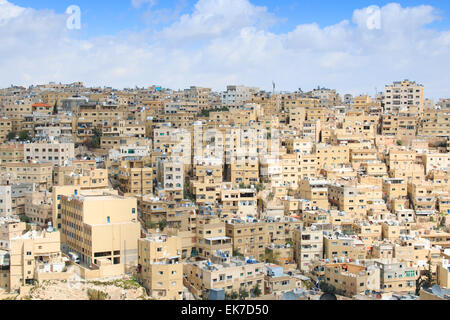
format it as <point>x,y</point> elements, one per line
<point>226,195</point>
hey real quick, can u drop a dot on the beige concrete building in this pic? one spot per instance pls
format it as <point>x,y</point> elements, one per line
<point>39,173</point>
<point>5,201</point>
<point>223,272</point>
<point>55,153</point>
<point>308,246</point>
<point>404,96</point>
<point>11,153</point>
<point>397,276</point>
<point>211,237</point>
<point>135,178</point>
<point>159,266</point>
<point>352,279</point>
<point>316,191</point>
<point>29,255</point>
<point>102,228</point>
<point>249,237</point>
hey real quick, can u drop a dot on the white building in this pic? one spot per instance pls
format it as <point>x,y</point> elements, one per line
<point>236,96</point>
<point>404,96</point>
<point>5,201</point>
<point>56,153</point>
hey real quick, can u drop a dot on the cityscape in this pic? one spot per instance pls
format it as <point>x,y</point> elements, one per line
<point>239,193</point>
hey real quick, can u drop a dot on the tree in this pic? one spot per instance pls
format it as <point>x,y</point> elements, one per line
<point>260,187</point>
<point>327,288</point>
<point>24,218</point>
<point>237,253</point>
<point>425,280</point>
<point>11,135</point>
<point>243,294</point>
<point>24,136</point>
<point>233,295</point>
<point>256,291</point>
<point>162,224</point>
<point>55,109</point>
<point>399,142</point>
<point>270,256</point>
<point>205,295</point>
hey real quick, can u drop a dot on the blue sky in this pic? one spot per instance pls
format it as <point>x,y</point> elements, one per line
<point>215,43</point>
<point>106,17</point>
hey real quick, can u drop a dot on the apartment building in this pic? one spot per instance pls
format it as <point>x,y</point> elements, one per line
<point>171,177</point>
<point>435,123</point>
<point>18,193</point>
<point>27,254</point>
<point>332,156</point>
<point>339,246</point>
<point>55,153</point>
<point>88,179</point>
<point>11,153</point>
<point>231,274</point>
<point>422,195</point>
<point>6,208</point>
<point>240,202</point>
<point>5,128</point>
<point>159,268</point>
<point>211,236</point>
<point>135,177</point>
<point>443,273</point>
<point>39,173</point>
<point>352,279</point>
<point>207,187</point>
<point>404,96</point>
<point>436,161</point>
<point>397,277</point>
<point>236,96</point>
<point>315,191</point>
<point>308,246</point>
<point>249,238</point>
<point>102,228</point>
<point>175,214</point>
<point>38,208</point>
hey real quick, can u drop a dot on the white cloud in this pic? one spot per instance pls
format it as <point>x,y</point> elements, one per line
<point>216,18</point>
<point>139,3</point>
<point>222,43</point>
<point>9,11</point>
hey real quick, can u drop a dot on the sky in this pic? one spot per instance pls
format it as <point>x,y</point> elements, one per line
<point>354,46</point>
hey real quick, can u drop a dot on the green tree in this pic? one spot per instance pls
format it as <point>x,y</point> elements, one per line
<point>243,294</point>
<point>260,187</point>
<point>237,253</point>
<point>11,135</point>
<point>24,136</point>
<point>327,288</point>
<point>233,295</point>
<point>256,291</point>
<point>162,224</point>
<point>24,218</point>
<point>270,256</point>
<point>55,109</point>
